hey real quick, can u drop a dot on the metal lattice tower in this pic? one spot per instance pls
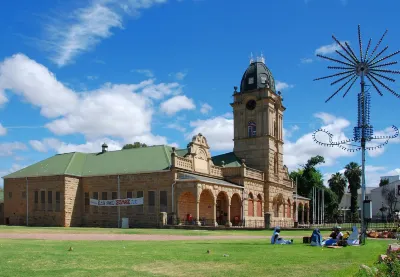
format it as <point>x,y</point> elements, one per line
<point>368,65</point>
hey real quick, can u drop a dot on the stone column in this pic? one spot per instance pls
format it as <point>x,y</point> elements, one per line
<point>214,223</point>
<point>229,223</point>
<point>308,216</point>
<point>198,213</point>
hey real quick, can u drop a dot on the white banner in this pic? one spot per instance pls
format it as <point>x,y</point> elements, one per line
<point>117,202</point>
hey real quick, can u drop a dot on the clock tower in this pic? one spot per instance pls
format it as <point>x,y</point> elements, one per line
<point>258,124</point>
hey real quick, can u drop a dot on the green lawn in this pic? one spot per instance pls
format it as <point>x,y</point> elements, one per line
<point>78,230</point>
<point>181,258</point>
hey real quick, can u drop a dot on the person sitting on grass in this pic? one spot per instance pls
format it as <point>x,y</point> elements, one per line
<point>276,239</point>
<point>353,239</point>
<point>316,238</point>
<point>335,236</point>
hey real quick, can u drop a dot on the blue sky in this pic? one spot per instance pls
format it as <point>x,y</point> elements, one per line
<point>74,74</point>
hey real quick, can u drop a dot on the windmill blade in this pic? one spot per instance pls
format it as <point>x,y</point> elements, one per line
<point>376,88</point>
<point>334,75</point>
<point>348,89</point>
<point>340,67</point>
<point>345,50</point>
<point>386,71</point>
<point>366,51</point>
<point>377,55</point>
<point>351,50</point>
<point>385,86</point>
<point>379,42</point>
<point>387,57</point>
<point>343,78</point>
<point>334,60</point>
<point>360,43</point>
<point>382,65</point>
<point>383,76</point>
<point>339,89</point>
<point>352,62</point>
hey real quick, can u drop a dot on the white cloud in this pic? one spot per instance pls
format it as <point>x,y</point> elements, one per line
<point>52,144</point>
<point>179,75</point>
<point>282,85</point>
<point>329,49</point>
<point>82,29</point>
<point>217,130</point>
<point>3,130</point>
<point>205,108</point>
<point>176,104</point>
<point>176,126</point>
<point>114,110</point>
<point>287,133</point>
<point>8,148</point>
<point>297,153</point>
<point>306,60</point>
<point>146,72</point>
<point>37,85</point>
<point>374,143</point>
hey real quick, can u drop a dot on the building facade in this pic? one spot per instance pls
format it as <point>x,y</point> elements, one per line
<point>240,188</point>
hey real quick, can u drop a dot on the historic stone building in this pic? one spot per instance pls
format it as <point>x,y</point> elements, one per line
<point>240,188</point>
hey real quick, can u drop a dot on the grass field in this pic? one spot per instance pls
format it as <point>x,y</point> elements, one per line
<point>181,258</point>
<point>73,230</point>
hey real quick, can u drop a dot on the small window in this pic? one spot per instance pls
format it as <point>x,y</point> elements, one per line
<point>104,196</point>
<point>10,195</point>
<point>49,200</point>
<point>263,79</point>
<point>252,130</point>
<point>251,80</point>
<point>87,202</point>
<point>36,200</point>
<point>58,201</point>
<point>129,194</point>
<point>114,195</point>
<point>163,201</point>
<point>152,201</point>
<point>95,195</point>
<point>42,200</point>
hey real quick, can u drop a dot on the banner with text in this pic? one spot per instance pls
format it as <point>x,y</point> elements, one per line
<point>117,202</point>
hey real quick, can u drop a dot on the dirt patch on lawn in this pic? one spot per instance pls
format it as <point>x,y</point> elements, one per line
<point>121,237</point>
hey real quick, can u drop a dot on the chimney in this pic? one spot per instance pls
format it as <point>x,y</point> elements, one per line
<point>104,148</point>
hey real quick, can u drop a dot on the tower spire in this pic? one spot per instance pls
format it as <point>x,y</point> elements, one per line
<point>251,57</point>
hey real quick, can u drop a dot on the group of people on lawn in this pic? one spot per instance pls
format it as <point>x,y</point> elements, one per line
<point>336,238</point>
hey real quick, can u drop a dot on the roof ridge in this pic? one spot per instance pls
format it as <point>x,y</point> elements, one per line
<point>69,163</point>
<point>166,155</point>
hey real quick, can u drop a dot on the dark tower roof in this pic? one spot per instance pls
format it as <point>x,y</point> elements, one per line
<point>257,76</point>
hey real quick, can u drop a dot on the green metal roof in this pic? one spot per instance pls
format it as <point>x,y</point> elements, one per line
<point>128,161</point>
<point>230,160</point>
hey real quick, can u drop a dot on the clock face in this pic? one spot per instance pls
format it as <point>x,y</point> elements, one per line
<point>251,104</point>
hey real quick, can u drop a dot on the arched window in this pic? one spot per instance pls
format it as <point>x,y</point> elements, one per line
<point>251,128</point>
<point>250,205</point>
<point>259,206</point>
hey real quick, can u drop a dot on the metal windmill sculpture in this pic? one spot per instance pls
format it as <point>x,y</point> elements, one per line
<point>374,67</point>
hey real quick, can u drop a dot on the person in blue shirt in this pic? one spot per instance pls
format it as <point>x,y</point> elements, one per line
<point>316,238</point>
<point>276,238</point>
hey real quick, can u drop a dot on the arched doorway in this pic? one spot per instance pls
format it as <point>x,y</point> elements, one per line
<point>187,207</point>
<point>222,208</point>
<point>236,209</point>
<point>250,205</point>
<point>300,213</point>
<point>259,205</point>
<point>206,207</point>
<point>289,210</point>
<point>294,212</point>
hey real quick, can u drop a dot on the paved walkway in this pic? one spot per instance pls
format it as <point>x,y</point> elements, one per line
<point>48,236</point>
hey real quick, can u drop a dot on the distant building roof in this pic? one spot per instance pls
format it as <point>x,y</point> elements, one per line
<point>296,196</point>
<point>229,159</point>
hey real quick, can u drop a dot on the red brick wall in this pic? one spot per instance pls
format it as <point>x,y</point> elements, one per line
<point>206,205</point>
<point>236,207</point>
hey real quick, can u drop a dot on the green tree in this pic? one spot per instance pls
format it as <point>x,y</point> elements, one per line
<point>389,194</point>
<point>134,145</point>
<point>383,182</point>
<point>353,176</point>
<point>331,205</point>
<point>337,183</point>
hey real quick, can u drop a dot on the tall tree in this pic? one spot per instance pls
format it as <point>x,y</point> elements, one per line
<point>353,176</point>
<point>383,182</point>
<point>337,183</point>
<point>134,145</point>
